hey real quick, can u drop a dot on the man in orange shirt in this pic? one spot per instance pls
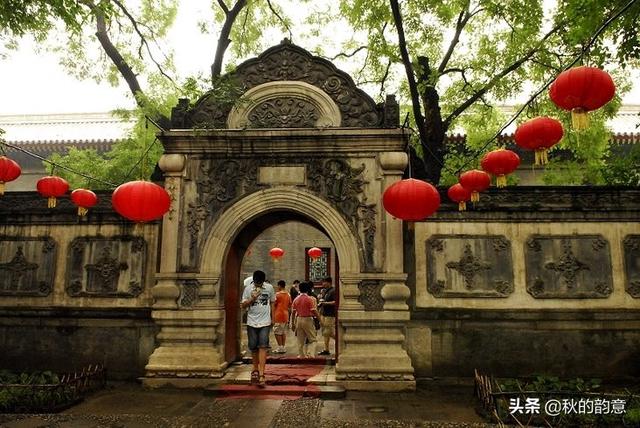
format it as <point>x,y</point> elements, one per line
<point>282,307</point>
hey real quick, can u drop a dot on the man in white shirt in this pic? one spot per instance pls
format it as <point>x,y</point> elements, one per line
<point>260,298</point>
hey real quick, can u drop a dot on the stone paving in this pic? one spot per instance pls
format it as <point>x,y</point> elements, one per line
<point>130,406</point>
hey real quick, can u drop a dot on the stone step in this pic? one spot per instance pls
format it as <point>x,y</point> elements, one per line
<point>271,391</point>
<point>294,360</point>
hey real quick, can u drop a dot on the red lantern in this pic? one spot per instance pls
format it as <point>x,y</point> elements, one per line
<point>83,199</point>
<point>276,253</point>
<point>500,163</point>
<point>9,171</point>
<point>52,187</point>
<point>459,194</point>
<point>539,134</point>
<point>475,181</point>
<point>580,90</point>
<point>314,252</point>
<point>411,200</point>
<point>140,201</point>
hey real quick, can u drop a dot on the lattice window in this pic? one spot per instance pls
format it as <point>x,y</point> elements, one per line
<point>316,269</point>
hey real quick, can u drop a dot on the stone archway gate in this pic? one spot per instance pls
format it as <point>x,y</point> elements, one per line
<point>304,139</point>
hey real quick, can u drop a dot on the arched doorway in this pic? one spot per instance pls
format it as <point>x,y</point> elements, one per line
<point>292,266</point>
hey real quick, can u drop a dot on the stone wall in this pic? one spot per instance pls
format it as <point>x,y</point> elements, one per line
<point>531,280</point>
<point>293,238</point>
<point>74,291</point>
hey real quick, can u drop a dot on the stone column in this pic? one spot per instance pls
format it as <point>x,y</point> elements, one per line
<point>186,355</point>
<point>166,290</point>
<point>394,293</point>
<point>372,354</point>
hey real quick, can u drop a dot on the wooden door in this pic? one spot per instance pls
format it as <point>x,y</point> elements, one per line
<point>232,305</point>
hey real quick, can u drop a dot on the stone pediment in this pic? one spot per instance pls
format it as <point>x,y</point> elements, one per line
<point>288,87</point>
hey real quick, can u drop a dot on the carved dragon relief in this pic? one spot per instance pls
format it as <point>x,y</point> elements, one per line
<point>221,182</point>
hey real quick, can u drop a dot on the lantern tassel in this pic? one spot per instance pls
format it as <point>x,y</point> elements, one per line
<point>542,158</point>
<point>462,206</point>
<point>579,119</point>
<point>82,211</point>
<point>1,188</point>
<point>501,181</point>
<point>51,202</point>
<point>475,196</point>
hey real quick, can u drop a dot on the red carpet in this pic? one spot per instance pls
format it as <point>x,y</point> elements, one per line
<point>284,381</point>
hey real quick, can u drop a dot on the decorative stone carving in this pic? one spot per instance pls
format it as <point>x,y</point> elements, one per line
<point>469,266</point>
<point>370,296</point>
<point>283,112</point>
<point>106,267</point>
<point>631,248</point>
<point>27,266</point>
<point>568,266</point>
<point>189,293</point>
<point>287,62</point>
<point>222,181</point>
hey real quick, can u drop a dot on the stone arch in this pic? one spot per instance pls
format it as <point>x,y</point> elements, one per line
<point>307,103</point>
<point>236,217</point>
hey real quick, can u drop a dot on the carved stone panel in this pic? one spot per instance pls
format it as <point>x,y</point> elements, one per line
<point>284,112</point>
<point>568,266</point>
<point>370,295</point>
<point>631,248</point>
<point>27,266</point>
<point>469,266</point>
<point>189,293</point>
<point>106,267</point>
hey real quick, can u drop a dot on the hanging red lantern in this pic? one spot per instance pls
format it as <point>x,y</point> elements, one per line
<point>459,194</point>
<point>52,187</point>
<point>500,163</point>
<point>9,171</point>
<point>475,181</point>
<point>581,90</point>
<point>411,199</point>
<point>314,252</point>
<point>140,201</point>
<point>83,199</point>
<point>539,134</point>
<point>276,253</point>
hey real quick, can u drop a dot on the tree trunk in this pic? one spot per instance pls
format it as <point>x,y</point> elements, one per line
<point>432,142</point>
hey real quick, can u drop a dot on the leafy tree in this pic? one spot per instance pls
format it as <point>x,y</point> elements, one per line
<point>459,56</point>
<point>492,49</point>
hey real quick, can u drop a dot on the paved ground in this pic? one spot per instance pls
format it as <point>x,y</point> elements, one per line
<point>130,406</point>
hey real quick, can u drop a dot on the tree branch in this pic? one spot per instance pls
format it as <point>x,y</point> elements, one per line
<point>413,88</point>
<point>463,18</point>
<point>115,56</point>
<point>384,78</point>
<point>512,67</point>
<point>143,40</point>
<point>224,7</point>
<point>275,12</point>
<point>347,55</point>
<point>223,40</point>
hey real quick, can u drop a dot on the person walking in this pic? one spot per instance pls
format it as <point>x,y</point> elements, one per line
<point>259,298</point>
<point>304,310</point>
<point>327,305</point>
<point>281,319</point>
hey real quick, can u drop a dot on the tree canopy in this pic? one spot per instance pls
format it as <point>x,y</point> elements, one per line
<point>452,61</point>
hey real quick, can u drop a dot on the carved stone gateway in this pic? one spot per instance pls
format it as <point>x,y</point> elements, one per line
<point>301,144</point>
<point>27,266</point>
<point>469,266</point>
<point>568,266</point>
